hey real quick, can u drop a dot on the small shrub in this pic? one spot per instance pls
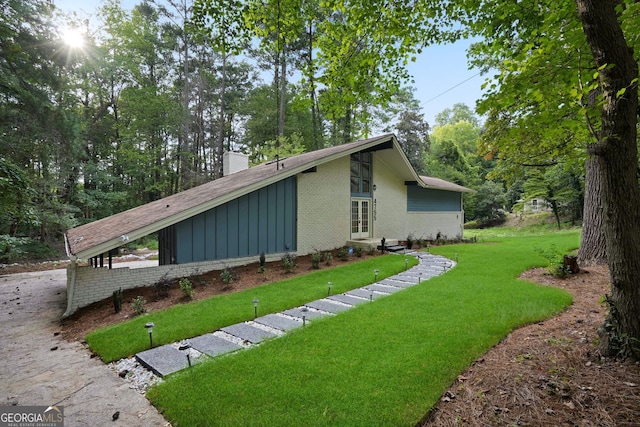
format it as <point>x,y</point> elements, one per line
<point>117,300</point>
<point>187,287</point>
<point>342,254</point>
<point>263,260</point>
<point>228,275</point>
<point>358,251</point>
<point>410,240</point>
<point>555,262</point>
<point>327,258</point>
<point>316,258</point>
<point>161,288</point>
<point>289,262</point>
<point>372,250</point>
<point>138,305</point>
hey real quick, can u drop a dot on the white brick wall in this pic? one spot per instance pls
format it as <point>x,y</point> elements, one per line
<point>324,207</point>
<point>427,225</point>
<point>86,285</point>
<point>392,219</point>
<point>390,201</point>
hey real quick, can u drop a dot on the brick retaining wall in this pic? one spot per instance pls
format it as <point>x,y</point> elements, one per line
<point>86,285</point>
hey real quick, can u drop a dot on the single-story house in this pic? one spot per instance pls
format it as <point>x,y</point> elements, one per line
<point>344,195</point>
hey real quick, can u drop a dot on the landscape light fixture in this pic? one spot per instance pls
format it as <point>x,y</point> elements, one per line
<point>370,294</point>
<point>456,257</point>
<point>419,277</point>
<point>375,275</point>
<point>428,246</point>
<point>406,264</point>
<point>304,311</point>
<point>329,291</point>
<point>149,327</point>
<point>255,308</point>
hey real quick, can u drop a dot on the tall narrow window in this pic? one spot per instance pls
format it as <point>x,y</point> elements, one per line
<point>361,174</point>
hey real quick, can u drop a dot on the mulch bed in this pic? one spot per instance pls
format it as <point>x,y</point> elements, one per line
<point>549,373</point>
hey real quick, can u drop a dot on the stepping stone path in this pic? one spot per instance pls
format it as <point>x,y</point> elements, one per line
<point>170,358</point>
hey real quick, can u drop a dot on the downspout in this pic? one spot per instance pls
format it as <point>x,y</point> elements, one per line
<point>71,278</point>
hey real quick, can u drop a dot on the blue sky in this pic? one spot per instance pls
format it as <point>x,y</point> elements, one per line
<point>441,73</point>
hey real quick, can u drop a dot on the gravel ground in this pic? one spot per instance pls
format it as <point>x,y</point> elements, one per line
<point>38,367</point>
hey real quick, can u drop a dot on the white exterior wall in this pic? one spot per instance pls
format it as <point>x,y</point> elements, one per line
<point>390,201</point>
<point>427,225</point>
<point>392,220</point>
<point>324,207</point>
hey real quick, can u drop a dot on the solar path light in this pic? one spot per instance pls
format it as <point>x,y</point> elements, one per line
<point>329,291</point>
<point>149,327</point>
<point>255,308</point>
<point>304,311</point>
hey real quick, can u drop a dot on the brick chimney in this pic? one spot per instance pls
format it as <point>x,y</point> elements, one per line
<point>234,162</point>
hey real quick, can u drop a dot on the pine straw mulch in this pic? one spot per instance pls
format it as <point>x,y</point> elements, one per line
<point>549,373</point>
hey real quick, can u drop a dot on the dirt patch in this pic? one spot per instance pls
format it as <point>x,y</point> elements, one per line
<point>549,373</point>
<point>102,313</point>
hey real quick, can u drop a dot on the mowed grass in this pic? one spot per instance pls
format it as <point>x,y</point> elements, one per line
<point>383,363</point>
<point>197,318</point>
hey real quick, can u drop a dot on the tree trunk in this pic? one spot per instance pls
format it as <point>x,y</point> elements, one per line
<point>593,247</point>
<point>221,123</point>
<point>617,155</point>
<point>283,92</point>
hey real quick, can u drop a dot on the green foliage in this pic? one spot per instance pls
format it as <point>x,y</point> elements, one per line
<point>316,258</point>
<point>342,253</point>
<point>327,257</point>
<point>137,304</point>
<point>488,203</point>
<point>555,261</point>
<point>117,298</point>
<point>229,275</point>
<point>289,262</point>
<point>186,287</point>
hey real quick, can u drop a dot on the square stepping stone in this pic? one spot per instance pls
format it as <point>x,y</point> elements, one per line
<point>163,360</point>
<point>309,315</point>
<point>347,299</point>
<point>328,306</point>
<point>248,333</point>
<point>399,283</point>
<point>378,287</point>
<point>278,322</point>
<point>364,293</point>
<point>212,345</point>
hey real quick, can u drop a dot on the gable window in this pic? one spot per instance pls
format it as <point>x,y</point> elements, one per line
<point>361,174</point>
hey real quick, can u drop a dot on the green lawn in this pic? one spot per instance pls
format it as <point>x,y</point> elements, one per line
<point>197,318</point>
<point>383,363</point>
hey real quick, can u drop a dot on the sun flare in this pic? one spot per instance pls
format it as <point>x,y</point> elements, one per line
<point>73,38</point>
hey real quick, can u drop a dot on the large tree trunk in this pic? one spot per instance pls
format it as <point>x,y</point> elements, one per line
<point>593,247</point>
<point>616,153</point>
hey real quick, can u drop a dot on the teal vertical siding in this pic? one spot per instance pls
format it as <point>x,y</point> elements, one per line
<point>261,221</point>
<point>427,200</point>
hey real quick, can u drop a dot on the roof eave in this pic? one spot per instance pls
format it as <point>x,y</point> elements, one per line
<point>181,216</point>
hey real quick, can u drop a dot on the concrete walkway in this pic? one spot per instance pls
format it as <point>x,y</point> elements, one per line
<point>38,367</point>
<point>170,358</point>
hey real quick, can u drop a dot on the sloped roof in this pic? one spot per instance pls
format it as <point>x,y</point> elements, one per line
<point>441,184</point>
<point>100,236</point>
